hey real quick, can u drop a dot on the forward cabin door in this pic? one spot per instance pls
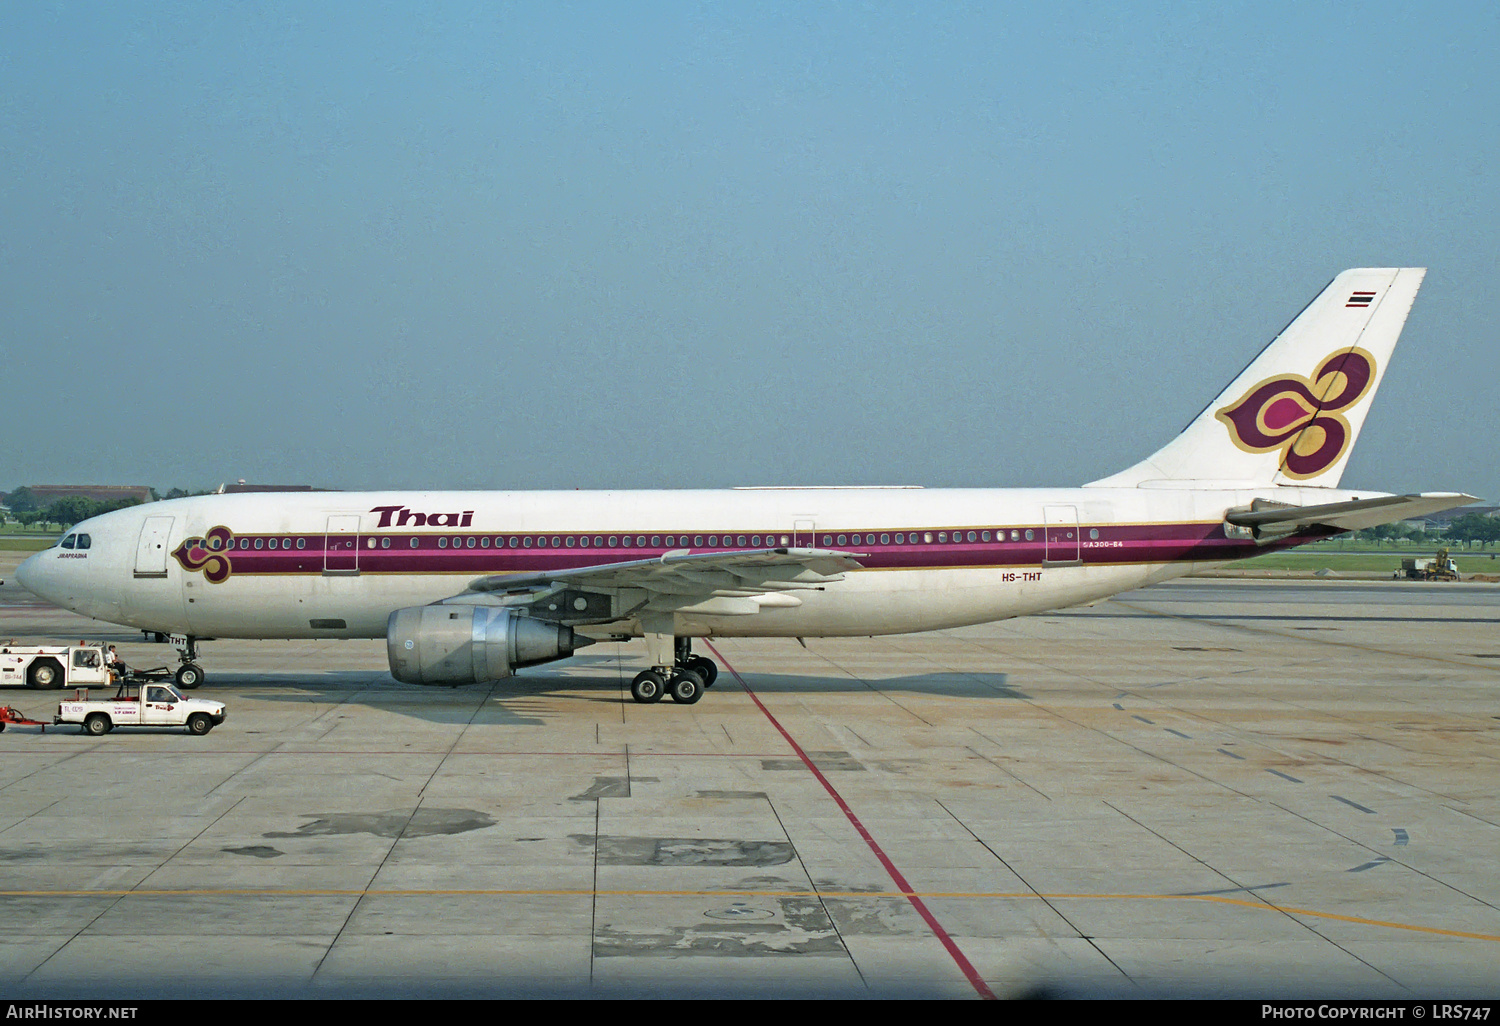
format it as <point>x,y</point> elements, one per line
<point>341,545</point>
<point>1061,526</point>
<point>151,547</point>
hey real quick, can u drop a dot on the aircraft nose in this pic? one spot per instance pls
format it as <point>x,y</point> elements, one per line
<point>31,574</point>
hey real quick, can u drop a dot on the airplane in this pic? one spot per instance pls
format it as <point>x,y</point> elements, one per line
<point>468,587</point>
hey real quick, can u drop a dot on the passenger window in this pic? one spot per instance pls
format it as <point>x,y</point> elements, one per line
<point>1094,534</point>
<point>1030,535</point>
<point>655,541</point>
<point>570,541</point>
<point>985,535</point>
<point>442,543</point>
<point>385,543</point>
<point>416,542</point>
<point>260,543</point>
<point>526,542</point>
<point>484,542</point>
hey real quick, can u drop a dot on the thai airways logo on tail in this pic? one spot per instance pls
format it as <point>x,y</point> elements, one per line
<point>1301,416</point>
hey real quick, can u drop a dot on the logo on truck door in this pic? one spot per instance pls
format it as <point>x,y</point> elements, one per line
<point>1301,416</point>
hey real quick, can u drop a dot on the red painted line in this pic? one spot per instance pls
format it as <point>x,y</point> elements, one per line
<point>964,965</point>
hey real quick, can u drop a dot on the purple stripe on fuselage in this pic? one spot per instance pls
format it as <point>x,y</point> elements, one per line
<point>1115,544</point>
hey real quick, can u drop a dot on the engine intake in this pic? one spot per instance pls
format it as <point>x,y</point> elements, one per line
<point>453,644</point>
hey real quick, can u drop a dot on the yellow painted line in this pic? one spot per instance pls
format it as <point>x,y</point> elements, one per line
<point>580,893</point>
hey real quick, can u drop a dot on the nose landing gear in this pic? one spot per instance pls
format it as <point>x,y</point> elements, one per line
<point>189,675</point>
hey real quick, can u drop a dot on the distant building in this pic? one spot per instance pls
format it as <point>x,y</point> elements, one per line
<point>1440,521</point>
<point>46,495</point>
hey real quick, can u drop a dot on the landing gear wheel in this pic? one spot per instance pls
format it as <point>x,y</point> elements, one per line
<point>686,686</point>
<point>189,676</point>
<point>200,724</point>
<point>96,725</point>
<point>647,687</point>
<point>705,668</point>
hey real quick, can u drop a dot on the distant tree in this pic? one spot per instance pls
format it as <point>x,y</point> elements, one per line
<point>70,509</point>
<point>1474,527</point>
<point>22,501</point>
<point>1390,532</point>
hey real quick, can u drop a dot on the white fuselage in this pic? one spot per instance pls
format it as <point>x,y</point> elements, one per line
<point>337,564</point>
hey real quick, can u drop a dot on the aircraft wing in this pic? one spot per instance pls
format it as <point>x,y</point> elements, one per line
<point>724,583</point>
<point>1354,515</point>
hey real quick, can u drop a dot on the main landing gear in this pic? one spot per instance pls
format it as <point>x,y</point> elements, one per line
<point>684,680</point>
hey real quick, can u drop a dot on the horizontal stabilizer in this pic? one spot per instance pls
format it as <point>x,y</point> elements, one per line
<point>1354,515</point>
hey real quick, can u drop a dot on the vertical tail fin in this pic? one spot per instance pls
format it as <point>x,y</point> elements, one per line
<point>1293,415</point>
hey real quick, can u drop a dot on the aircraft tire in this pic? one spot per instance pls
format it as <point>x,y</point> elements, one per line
<point>705,668</point>
<point>189,676</point>
<point>686,687</point>
<point>647,687</point>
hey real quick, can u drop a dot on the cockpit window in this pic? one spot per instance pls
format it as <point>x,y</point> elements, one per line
<point>84,541</point>
<point>67,542</point>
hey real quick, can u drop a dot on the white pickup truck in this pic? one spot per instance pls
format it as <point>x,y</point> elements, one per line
<point>141,705</point>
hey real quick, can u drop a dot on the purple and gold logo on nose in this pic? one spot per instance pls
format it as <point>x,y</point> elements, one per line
<point>207,554</point>
<point>1301,416</point>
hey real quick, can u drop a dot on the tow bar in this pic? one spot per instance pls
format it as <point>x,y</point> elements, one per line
<point>8,714</point>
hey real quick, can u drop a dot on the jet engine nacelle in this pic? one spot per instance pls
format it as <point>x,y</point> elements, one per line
<point>454,644</point>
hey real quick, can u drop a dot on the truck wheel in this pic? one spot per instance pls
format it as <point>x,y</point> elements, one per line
<point>200,724</point>
<point>45,675</point>
<point>189,676</point>
<point>97,724</point>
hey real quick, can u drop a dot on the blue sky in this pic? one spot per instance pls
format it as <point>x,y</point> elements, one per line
<point>685,245</point>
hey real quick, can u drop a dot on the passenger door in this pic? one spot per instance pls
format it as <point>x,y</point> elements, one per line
<point>1061,527</point>
<point>341,545</point>
<point>151,547</point>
